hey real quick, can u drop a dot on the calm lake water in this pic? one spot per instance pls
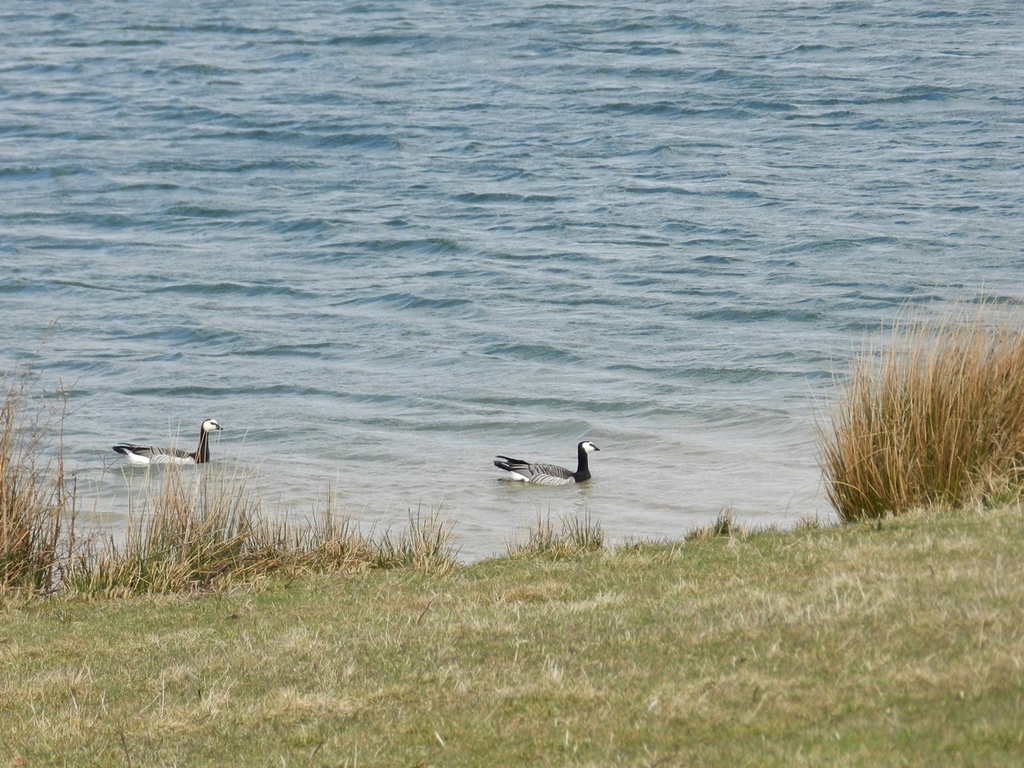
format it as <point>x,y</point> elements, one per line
<point>383,242</point>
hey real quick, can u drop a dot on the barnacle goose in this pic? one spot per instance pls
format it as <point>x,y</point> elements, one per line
<point>148,454</point>
<point>548,474</point>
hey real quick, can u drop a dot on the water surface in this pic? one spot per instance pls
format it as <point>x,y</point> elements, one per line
<point>382,242</point>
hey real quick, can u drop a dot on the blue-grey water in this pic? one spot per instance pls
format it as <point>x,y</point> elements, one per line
<point>383,241</point>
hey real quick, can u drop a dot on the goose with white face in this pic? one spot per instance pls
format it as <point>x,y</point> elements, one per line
<point>144,455</point>
<point>549,474</point>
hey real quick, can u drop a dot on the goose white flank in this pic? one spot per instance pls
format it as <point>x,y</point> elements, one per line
<point>549,474</point>
<point>143,455</point>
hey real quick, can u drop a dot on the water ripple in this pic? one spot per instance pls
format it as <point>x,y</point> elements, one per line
<point>377,239</point>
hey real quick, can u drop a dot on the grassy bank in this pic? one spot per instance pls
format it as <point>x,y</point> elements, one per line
<point>898,642</point>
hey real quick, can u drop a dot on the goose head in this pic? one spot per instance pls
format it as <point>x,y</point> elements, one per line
<point>588,447</point>
<point>211,425</point>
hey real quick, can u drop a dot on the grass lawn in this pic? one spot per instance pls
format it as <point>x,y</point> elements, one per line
<point>899,642</point>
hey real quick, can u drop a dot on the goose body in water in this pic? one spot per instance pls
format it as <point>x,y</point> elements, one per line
<point>548,474</point>
<point>148,454</point>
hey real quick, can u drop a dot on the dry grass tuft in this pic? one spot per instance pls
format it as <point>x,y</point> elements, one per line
<point>191,530</point>
<point>325,543</point>
<point>34,497</point>
<point>577,535</point>
<point>203,530</point>
<point>935,418</point>
<point>425,546</point>
<point>724,526</point>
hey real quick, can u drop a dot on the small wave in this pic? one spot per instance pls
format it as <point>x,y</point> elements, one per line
<point>713,258</point>
<point>403,300</point>
<point>922,93</point>
<point>181,335</point>
<point>361,140</point>
<point>220,393</point>
<point>204,70</point>
<point>735,314</point>
<point>24,172</point>
<point>503,197</point>
<point>806,48</point>
<point>249,290</point>
<point>760,105</point>
<point>538,352</point>
<point>658,108</point>
<point>186,211</point>
<point>303,225</point>
<point>424,246</point>
<point>383,39</point>
<point>314,350</point>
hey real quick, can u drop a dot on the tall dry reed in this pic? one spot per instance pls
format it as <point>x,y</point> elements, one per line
<point>425,545</point>
<point>187,529</point>
<point>34,496</point>
<point>201,528</point>
<point>577,535</point>
<point>936,417</point>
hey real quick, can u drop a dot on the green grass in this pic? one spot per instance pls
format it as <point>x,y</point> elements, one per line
<point>897,642</point>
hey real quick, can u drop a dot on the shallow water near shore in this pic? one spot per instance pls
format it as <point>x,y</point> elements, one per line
<point>382,243</point>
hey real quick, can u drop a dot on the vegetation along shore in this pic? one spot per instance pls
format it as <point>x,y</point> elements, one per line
<point>212,632</point>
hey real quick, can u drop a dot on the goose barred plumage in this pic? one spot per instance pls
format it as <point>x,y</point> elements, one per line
<point>548,474</point>
<point>148,454</point>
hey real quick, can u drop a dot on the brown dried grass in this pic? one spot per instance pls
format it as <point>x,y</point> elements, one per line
<point>936,417</point>
<point>34,495</point>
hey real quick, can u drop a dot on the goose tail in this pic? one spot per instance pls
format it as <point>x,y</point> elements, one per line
<point>508,464</point>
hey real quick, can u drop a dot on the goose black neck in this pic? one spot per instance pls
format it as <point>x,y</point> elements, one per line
<point>582,465</point>
<point>203,451</point>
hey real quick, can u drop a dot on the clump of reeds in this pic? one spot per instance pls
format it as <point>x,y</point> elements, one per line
<point>202,529</point>
<point>424,546</point>
<point>576,535</point>
<point>34,496</point>
<point>189,528</point>
<point>934,418</point>
<point>192,529</point>
<point>323,543</point>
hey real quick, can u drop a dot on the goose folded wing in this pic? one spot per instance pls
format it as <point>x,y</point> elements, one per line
<point>550,470</point>
<point>155,454</point>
